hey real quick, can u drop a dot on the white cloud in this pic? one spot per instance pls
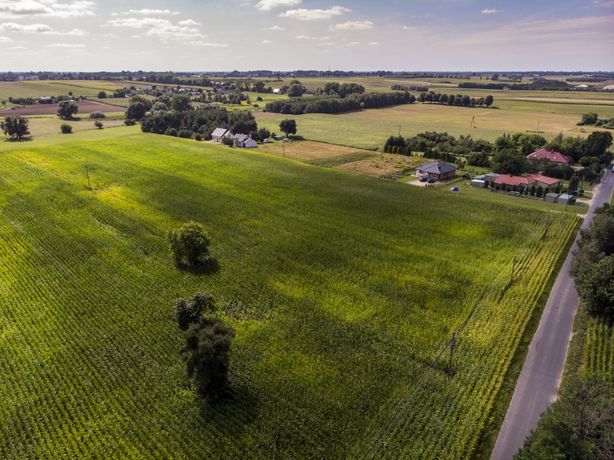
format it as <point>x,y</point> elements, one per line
<point>204,44</point>
<point>147,12</point>
<point>18,48</point>
<point>38,28</point>
<point>373,43</point>
<point>354,44</point>
<point>267,5</point>
<point>267,42</point>
<point>159,28</point>
<point>303,14</point>
<point>139,23</point>
<point>5,39</point>
<point>66,45</point>
<point>353,25</point>
<point>490,11</point>
<point>275,28</point>
<point>409,28</point>
<point>49,8</point>
<point>307,37</point>
<point>189,23</point>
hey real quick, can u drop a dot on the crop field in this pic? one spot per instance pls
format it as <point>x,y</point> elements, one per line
<point>42,88</point>
<point>599,348</point>
<point>343,290</point>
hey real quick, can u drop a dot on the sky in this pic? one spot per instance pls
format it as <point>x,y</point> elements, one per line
<point>203,35</point>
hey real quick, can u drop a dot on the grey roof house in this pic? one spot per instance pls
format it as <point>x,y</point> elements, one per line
<point>437,171</point>
<point>218,134</point>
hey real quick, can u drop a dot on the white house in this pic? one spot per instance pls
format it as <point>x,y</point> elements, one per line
<point>219,134</point>
<point>243,141</point>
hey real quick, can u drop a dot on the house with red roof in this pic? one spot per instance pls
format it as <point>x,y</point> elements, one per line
<point>517,183</point>
<point>551,156</point>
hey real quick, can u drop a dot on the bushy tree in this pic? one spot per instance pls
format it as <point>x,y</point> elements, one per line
<point>578,426</point>
<point>593,265</point>
<point>15,127</point>
<point>489,100</point>
<point>190,311</point>
<point>296,90</point>
<point>102,95</point>
<point>288,127</point>
<point>509,161</point>
<point>136,111</point>
<point>66,129</point>
<point>97,115</point>
<point>598,143</point>
<point>181,103</point>
<point>66,109</point>
<point>207,354</point>
<point>242,122</point>
<point>190,246</point>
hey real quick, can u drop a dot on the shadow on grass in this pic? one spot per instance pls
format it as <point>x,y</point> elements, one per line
<point>23,139</point>
<point>240,406</point>
<point>208,267</point>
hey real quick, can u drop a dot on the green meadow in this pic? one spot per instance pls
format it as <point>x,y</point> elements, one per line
<point>344,292</point>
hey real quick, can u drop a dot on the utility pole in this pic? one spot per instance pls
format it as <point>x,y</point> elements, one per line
<point>453,346</point>
<point>87,174</point>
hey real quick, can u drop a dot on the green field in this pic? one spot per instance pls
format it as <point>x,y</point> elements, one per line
<point>42,88</point>
<point>349,289</point>
<point>370,128</point>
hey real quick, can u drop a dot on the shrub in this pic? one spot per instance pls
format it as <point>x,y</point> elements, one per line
<point>184,133</point>
<point>190,246</point>
<point>171,132</point>
<point>227,141</point>
<point>129,122</point>
<point>99,125</point>
<point>66,129</point>
<point>97,115</point>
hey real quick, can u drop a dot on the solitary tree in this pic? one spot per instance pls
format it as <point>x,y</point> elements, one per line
<point>288,127</point>
<point>15,127</point>
<point>102,95</point>
<point>66,109</point>
<point>66,129</point>
<point>489,100</point>
<point>207,353</point>
<point>190,246</point>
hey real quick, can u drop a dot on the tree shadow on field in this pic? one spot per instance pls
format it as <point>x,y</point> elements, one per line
<point>232,413</point>
<point>15,140</point>
<point>210,267</point>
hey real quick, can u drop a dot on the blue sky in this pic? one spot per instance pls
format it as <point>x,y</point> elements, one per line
<point>307,34</point>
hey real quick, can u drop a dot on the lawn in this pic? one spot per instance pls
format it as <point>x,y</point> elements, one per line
<point>344,292</point>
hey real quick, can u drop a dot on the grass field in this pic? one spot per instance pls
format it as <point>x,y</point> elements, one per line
<point>42,88</point>
<point>370,128</point>
<point>349,291</point>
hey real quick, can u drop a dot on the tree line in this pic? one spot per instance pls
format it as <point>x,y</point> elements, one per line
<point>331,105</point>
<point>455,99</point>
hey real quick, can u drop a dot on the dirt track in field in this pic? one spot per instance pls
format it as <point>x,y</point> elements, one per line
<point>51,109</point>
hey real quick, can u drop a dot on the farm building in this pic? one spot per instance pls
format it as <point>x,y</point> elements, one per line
<point>243,141</point>
<point>514,183</point>
<point>478,183</point>
<point>567,199</point>
<point>551,156</point>
<point>437,171</point>
<point>219,134</point>
<point>551,197</point>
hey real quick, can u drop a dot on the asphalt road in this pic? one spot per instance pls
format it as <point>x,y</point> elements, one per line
<point>542,372</point>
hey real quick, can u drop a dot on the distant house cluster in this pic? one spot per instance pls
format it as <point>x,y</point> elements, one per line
<point>242,141</point>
